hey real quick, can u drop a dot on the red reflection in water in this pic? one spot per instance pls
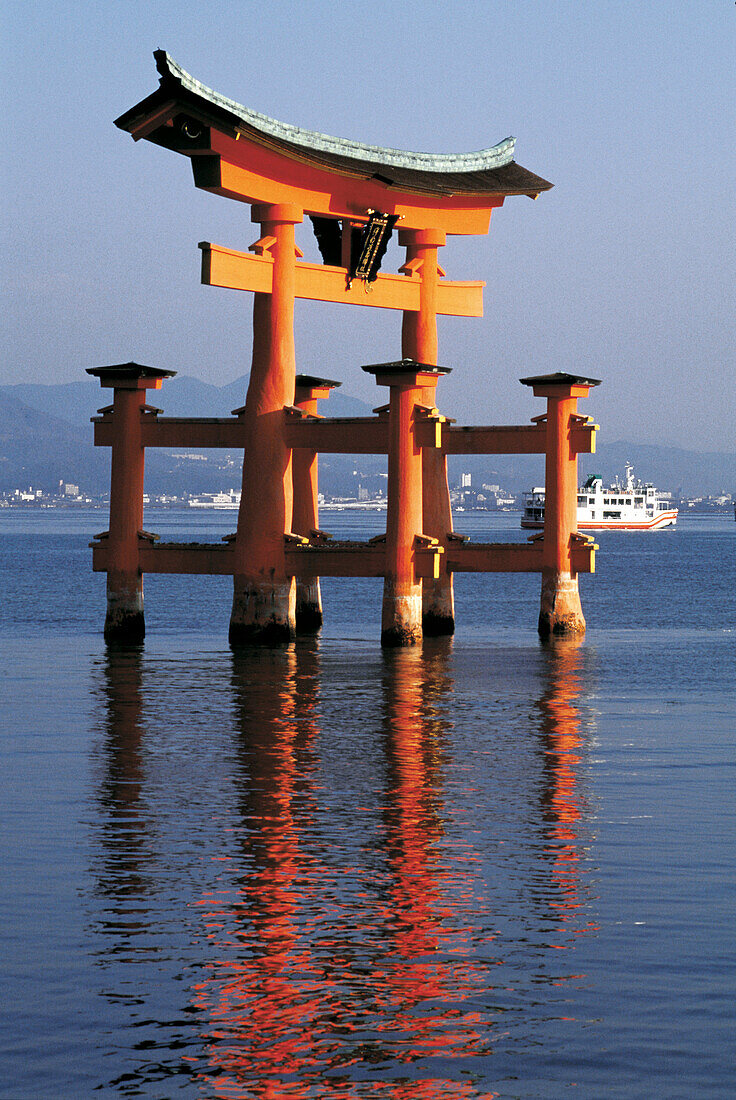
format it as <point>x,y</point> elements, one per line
<point>300,1000</point>
<point>563,804</point>
<point>318,969</point>
<point>255,1000</point>
<point>422,919</point>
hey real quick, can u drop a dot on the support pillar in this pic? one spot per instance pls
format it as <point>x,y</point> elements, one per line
<point>401,617</point>
<point>560,609</point>
<point>124,620</point>
<point>419,342</point>
<point>263,595</point>
<point>309,391</point>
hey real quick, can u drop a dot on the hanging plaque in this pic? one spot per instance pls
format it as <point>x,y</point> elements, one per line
<point>374,238</point>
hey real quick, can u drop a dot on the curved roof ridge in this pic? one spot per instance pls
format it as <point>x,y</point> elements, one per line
<point>494,157</point>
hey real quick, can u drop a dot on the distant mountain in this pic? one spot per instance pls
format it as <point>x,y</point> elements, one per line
<point>671,469</point>
<point>45,437</point>
<point>684,473</point>
<point>180,396</point>
<point>39,450</point>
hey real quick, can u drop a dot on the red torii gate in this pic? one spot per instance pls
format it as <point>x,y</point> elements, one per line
<point>355,195</point>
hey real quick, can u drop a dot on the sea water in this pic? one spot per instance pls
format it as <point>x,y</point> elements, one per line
<point>484,867</point>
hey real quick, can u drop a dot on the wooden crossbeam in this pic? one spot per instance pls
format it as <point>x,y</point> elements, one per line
<point>251,172</point>
<point>224,432</point>
<point>508,557</point>
<point>341,435</point>
<point>516,439</point>
<point>347,435</point>
<point>356,559</point>
<point>233,270</point>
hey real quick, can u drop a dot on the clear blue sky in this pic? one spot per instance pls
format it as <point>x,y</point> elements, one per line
<point>625,271</point>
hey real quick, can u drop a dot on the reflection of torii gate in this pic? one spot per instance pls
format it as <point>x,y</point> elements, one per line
<point>354,195</point>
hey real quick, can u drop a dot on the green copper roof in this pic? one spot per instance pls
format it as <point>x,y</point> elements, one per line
<point>182,114</point>
<point>497,156</point>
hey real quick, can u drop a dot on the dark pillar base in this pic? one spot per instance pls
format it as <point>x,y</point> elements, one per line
<point>125,627</point>
<point>263,614</point>
<point>396,637</point>
<point>435,625</point>
<point>308,607</point>
<point>438,606</point>
<point>560,611</point>
<point>124,621</point>
<point>308,619</point>
<point>266,634</point>
<point>549,627</point>
<point>401,615</point>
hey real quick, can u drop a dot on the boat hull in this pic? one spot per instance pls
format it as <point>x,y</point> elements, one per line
<point>664,519</point>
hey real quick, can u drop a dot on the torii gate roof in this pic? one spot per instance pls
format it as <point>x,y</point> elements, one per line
<point>479,179</point>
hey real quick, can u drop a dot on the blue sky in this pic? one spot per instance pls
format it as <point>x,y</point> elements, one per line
<point>625,271</point>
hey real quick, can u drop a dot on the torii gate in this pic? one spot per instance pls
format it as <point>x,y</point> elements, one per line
<point>355,195</point>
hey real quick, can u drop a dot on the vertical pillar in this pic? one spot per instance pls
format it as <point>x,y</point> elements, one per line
<point>419,342</point>
<point>124,620</point>
<point>560,609</point>
<point>263,595</point>
<point>401,617</point>
<point>309,391</point>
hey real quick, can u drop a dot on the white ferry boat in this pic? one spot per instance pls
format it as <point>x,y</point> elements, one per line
<point>632,506</point>
<point>230,499</point>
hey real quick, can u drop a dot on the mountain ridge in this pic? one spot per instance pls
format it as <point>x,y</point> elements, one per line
<point>45,437</point>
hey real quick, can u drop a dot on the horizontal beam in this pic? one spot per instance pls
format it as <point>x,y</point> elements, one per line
<point>179,431</point>
<point>342,560</point>
<point>234,270</point>
<point>340,435</point>
<point>197,558</point>
<point>515,439</point>
<point>336,560</point>
<point>509,557</point>
<point>218,559</point>
<point>253,173</point>
<point>344,435</point>
<point>356,559</point>
<point>512,439</point>
<point>494,557</point>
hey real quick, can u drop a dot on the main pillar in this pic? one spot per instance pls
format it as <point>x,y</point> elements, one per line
<point>408,381</point>
<point>309,391</point>
<point>124,620</point>
<point>560,609</point>
<point>419,342</point>
<point>263,595</point>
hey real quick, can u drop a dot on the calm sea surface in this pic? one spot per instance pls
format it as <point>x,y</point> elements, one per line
<point>481,868</point>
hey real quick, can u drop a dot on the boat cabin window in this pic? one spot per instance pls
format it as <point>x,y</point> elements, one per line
<point>638,500</point>
<point>611,515</point>
<point>582,500</point>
